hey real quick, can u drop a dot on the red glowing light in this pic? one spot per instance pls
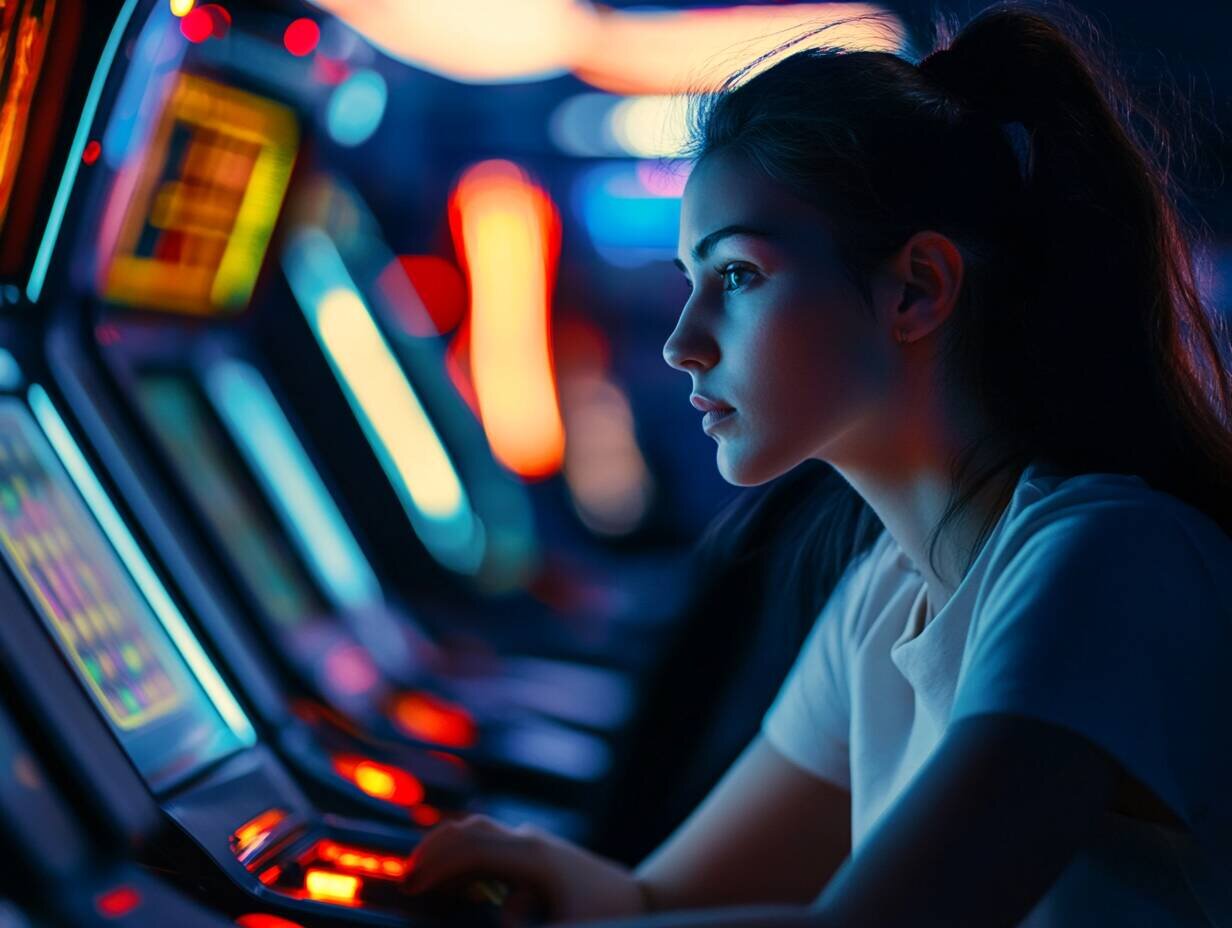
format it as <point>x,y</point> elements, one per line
<point>425,816</point>
<point>93,150</point>
<point>433,719</point>
<point>261,920</point>
<point>205,22</point>
<point>381,781</point>
<point>118,902</point>
<point>329,70</point>
<point>196,25</point>
<point>441,289</point>
<point>301,37</point>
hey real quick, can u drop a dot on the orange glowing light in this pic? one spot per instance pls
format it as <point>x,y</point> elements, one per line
<point>255,832</point>
<point>356,860</point>
<point>432,719</point>
<point>624,51</point>
<point>380,781</point>
<point>24,37</point>
<point>328,886</point>
<point>118,902</point>
<point>270,876</point>
<point>261,920</point>
<point>507,229</point>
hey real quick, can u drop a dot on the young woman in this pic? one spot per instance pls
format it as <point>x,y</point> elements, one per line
<point>963,283</point>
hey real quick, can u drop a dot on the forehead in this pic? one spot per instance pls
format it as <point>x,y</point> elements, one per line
<point>725,188</point>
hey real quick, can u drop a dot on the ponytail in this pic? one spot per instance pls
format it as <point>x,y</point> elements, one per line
<point>1080,330</point>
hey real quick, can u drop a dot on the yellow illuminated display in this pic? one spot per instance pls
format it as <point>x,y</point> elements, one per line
<point>200,219</point>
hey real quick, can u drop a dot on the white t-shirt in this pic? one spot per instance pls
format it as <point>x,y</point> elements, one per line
<point>1098,605</point>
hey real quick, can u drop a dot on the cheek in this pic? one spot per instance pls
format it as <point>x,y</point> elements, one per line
<point>811,361</point>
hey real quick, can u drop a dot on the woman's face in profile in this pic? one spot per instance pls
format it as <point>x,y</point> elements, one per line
<point>787,361</point>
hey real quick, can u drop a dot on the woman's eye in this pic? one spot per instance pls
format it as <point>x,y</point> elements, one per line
<point>735,276</point>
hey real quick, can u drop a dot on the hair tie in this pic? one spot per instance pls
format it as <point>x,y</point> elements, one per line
<point>1019,138</point>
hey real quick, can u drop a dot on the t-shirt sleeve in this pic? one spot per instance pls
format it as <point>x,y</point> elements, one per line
<point>810,720</point>
<point>1111,620</point>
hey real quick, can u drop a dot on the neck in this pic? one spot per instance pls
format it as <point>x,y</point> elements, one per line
<point>909,482</point>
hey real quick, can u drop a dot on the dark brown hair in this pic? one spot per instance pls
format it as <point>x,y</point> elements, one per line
<point>1080,330</point>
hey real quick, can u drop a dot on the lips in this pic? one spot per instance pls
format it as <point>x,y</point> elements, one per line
<point>715,411</point>
<point>706,404</point>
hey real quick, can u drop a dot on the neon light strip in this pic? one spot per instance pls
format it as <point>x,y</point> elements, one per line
<point>508,230</point>
<point>138,566</point>
<point>393,419</point>
<point>273,451</point>
<point>42,261</point>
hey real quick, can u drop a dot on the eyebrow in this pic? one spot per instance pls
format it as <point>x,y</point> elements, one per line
<point>703,248</point>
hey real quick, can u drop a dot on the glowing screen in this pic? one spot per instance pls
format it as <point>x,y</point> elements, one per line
<point>24,27</point>
<point>201,214</point>
<point>213,473</point>
<point>105,628</point>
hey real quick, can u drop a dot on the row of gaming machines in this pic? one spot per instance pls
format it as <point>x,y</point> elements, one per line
<point>216,706</point>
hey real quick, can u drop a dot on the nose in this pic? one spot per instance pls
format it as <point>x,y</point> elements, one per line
<point>690,347</point>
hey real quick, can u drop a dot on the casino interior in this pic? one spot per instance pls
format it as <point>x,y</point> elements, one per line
<point>339,495</point>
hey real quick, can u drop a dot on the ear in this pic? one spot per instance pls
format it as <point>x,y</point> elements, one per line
<point>926,275</point>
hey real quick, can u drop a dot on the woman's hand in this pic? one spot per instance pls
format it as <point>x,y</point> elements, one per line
<point>565,881</point>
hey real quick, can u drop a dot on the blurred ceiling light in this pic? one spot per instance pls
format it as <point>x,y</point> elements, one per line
<point>182,7</point>
<point>634,51</point>
<point>356,108</point>
<point>650,126</point>
<point>476,41</point>
<point>580,126</point>
<point>508,231</point>
<point>597,125</point>
<point>672,51</point>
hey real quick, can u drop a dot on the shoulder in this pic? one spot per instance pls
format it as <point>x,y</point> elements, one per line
<point>1109,537</point>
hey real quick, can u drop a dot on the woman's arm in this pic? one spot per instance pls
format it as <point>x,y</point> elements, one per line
<point>768,833</point>
<point>977,839</point>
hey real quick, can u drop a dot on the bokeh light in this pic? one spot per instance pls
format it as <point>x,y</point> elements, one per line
<point>302,37</point>
<point>356,108</point>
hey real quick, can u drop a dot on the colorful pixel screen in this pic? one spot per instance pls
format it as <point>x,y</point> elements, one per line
<point>224,493</point>
<point>100,621</point>
<point>211,183</point>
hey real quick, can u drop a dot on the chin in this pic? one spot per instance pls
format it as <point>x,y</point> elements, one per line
<point>748,470</point>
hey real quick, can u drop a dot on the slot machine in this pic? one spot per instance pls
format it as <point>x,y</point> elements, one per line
<point>190,145</point>
<point>60,872</point>
<point>96,649</point>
